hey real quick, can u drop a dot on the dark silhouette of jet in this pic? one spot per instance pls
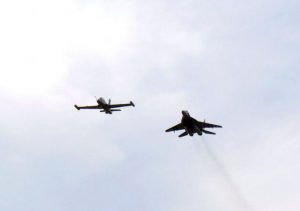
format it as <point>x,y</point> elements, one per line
<point>108,108</point>
<point>191,126</point>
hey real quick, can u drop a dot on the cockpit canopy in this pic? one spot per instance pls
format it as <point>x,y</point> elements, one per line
<point>185,113</point>
<point>101,100</point>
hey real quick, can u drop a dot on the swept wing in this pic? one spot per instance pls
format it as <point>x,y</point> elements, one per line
<point>208,125</point>
<point>176,127</point>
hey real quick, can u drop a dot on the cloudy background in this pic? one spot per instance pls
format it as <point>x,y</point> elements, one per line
<point>234,63</point>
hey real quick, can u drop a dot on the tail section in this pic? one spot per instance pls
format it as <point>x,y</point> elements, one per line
<point>208,132</point>
<point>110,111</point>
<point>183,134</point>
<point>132,104</point>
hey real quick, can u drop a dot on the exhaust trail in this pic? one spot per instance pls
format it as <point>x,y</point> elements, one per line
<point>242,202</point>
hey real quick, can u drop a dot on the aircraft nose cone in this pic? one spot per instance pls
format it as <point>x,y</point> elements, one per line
<point>185,113</point>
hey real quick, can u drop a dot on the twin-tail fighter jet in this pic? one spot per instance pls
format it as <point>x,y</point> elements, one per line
<point>108,108</point>
<point>191,126</point>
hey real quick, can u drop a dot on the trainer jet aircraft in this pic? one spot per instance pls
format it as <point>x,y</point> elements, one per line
<point>191,126</point>
<point>108,108</point>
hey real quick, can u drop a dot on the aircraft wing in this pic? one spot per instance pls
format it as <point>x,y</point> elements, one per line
<point>176,127</point>
<point>121,105</point>
<point>87,107</point>
<point>208,125</point>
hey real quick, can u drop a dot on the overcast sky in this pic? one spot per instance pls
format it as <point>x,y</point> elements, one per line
<point>233,63</point>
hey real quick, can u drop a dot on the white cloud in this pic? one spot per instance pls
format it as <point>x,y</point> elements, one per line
<point>38,37</point>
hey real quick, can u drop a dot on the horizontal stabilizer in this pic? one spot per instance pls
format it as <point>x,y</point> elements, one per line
<point>77,107</point>
<point>115,109</point>
<point>208,132</point>
<point>183,134</point>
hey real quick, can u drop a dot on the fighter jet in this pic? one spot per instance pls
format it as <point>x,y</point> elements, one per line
<point>191,126</point>
<point>108,108</point>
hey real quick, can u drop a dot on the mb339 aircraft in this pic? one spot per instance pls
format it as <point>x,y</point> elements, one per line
<point>191,126</point>
<point>108,108</point>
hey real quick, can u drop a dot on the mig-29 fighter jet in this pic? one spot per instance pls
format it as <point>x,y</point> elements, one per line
<point>108,108</point>
<point>191,126</point>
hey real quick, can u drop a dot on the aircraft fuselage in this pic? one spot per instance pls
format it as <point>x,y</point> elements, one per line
<point>189,124</point>
<point>103,105</point>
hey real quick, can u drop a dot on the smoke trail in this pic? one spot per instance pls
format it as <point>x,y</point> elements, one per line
<point>228,179</point>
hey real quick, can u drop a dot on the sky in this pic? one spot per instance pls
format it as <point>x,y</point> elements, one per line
<point>233,63</point>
